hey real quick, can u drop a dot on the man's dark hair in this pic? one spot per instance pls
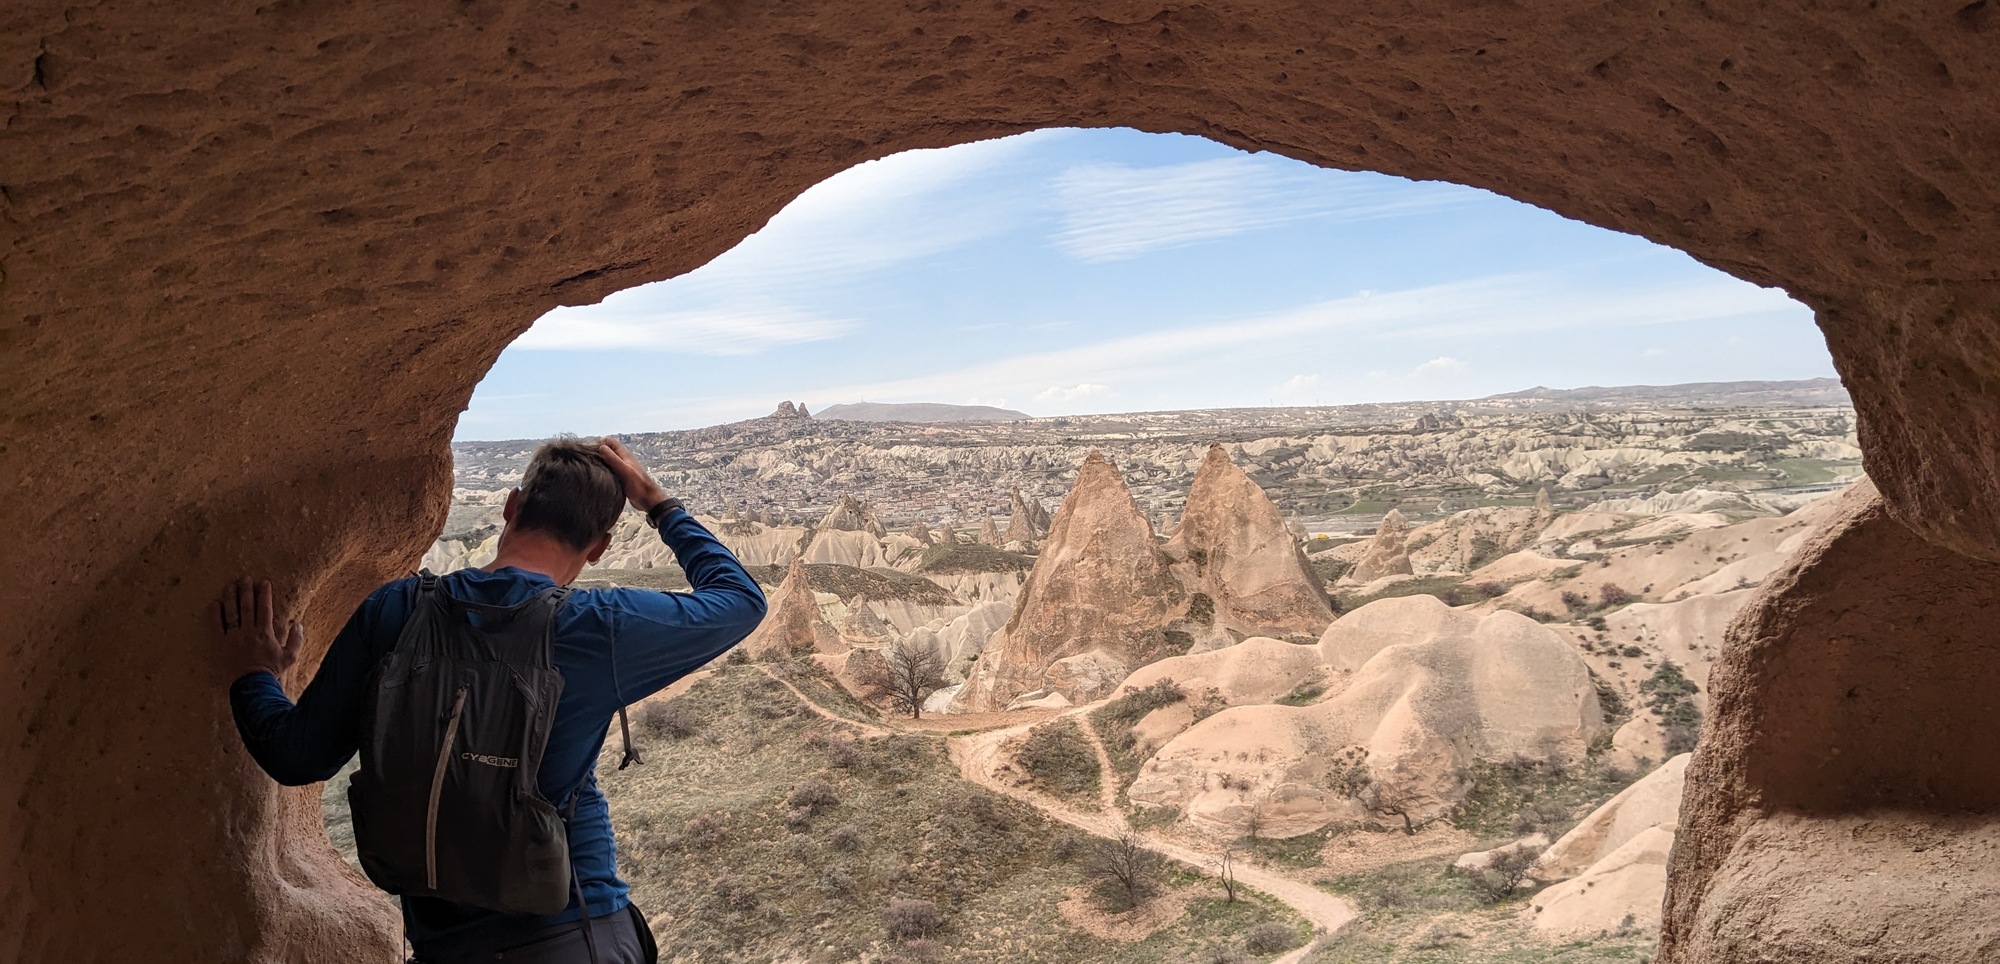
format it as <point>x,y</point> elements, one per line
<point>569,493</point>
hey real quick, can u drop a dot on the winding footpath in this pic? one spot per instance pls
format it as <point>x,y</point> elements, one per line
<point>979,758</point>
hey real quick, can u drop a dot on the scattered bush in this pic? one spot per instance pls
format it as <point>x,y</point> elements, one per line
<point>1058,758</point>
<point>845,838</point>
<point>704,831</point>
<point>1506,873</point>
<point>1201,609</point>
<point>836,881</point>
<point>1575,601</point>
<point>1066,846</point>
<point>1270,938</point>
<point>909,918</point>
<point>1669,694</point>
<point>1613,595</point>
<point>671,719</point>
<point>1223,954</point>
<point>733,892</point>
<point>808,800</point>
<point>1124,870</point>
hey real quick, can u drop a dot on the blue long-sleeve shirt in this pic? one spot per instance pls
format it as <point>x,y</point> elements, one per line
<point>612,646</point>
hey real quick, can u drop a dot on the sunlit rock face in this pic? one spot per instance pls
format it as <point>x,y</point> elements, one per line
<point>256,258</point>
<point>1844,789</point>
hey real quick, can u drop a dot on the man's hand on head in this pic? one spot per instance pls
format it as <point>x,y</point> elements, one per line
<point>248,622</point>
<point>640,489</point>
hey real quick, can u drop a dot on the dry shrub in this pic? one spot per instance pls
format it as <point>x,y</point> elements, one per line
<point>909,918</point>
<point>1270,938</point>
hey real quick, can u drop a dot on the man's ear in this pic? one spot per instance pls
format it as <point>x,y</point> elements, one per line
<point>597,548</point>
<point>512,508</point>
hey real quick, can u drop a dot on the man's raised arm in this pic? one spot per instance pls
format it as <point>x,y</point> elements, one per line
<point>690,628</point>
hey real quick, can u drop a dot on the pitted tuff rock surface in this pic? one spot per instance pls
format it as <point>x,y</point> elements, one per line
<point>255,258</point>
<point>1842,804</point>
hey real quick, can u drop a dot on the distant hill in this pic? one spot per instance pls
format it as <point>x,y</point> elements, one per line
<point>1809,391</point>
<point>919,412</point>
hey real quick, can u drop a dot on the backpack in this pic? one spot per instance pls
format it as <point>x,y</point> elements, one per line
<point>446,803</point>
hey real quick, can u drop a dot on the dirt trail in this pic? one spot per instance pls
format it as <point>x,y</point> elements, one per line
<point>979,758</point>
<point>1107,785</point>
<point>867,729</point>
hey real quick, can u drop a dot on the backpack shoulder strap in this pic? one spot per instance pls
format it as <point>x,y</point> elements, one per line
<point>630,755</point>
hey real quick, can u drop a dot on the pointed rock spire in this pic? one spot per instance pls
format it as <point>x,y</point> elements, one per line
<point>1388,554</point>
<point>849,515</point>
<point>1101,590</point>
<point>921,533</point>
<point>1241,554</point>
<point>1022,525</point>
<point>794,624</point>
<point>990,533</point>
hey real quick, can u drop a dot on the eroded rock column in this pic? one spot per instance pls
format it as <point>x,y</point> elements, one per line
<point>1844,805</point>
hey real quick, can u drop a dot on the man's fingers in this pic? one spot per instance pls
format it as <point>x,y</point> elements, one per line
<point>295,638</point>
<point>222,612</point>
<point>267,616</point>
<point>246,603</point>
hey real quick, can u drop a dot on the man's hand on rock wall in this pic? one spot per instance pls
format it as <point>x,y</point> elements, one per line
<point>250,640</point>
<point>640,489</point>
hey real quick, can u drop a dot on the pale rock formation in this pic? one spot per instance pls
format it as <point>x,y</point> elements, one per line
<point>989,534</point>
<point>1087,676</point>
<point>1639,743</point>
<point>793,623</point>
<point>1432,690</point>
<point>849,515</point>
<point>1027,521</point>
<point>1467,540</point>
<point>847,547</point>
<point>1235,550</point>
<point>1545,508</point>
<point>1256,670</point>
<point>861,626</point>
<point>1040,700</point>
<point>1620,893</point>
<point>1156,728</point>
<point>1654,801</point>
<point>1386,554</point>
<point>1100,583</point>
<point>963,638</point>
<point>922,534</point>
<point>787,410</point>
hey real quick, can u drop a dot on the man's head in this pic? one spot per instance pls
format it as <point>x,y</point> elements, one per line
<point>569,495</point>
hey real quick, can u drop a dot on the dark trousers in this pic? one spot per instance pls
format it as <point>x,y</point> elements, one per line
<point>622,937</point>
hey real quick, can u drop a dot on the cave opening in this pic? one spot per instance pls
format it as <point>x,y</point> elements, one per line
<point>257,262</point>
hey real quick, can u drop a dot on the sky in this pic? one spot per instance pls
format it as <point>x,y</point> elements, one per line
<point>1067,272</point>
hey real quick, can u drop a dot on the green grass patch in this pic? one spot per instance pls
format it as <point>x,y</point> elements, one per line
<point>1060,761</point>
<point>1114,722</point>
<point>1417,912</point>
<point>1512,799</point>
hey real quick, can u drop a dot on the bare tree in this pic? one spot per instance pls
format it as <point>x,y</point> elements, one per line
<point>1392,801</point>
<point>906,675</point>
<point>1125,863</point>
<point>1225,871</point>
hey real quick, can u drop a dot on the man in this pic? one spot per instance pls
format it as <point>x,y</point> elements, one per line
<point>612,647</point>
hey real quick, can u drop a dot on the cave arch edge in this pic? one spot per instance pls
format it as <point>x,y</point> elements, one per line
<point>239,221</point>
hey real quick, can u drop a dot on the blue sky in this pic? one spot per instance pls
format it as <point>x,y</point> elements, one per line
<point>1077,271</point>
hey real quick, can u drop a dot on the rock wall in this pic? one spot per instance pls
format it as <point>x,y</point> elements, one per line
<point>1843,803</point>
<point>255,258</point>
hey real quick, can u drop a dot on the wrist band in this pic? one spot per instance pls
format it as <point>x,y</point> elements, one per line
<point>658,513</point>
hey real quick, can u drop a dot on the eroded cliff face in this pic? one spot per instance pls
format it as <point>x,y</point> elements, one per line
<point>256,258</point>
<point>1843,806</point>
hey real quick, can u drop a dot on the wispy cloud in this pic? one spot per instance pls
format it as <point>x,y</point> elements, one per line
<point>1112,211</point>
<point>1298,388</point>
<point>1441,365</point>
<point>1057,393</point>
<point>733,331</point>
<point>1492,305</point>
